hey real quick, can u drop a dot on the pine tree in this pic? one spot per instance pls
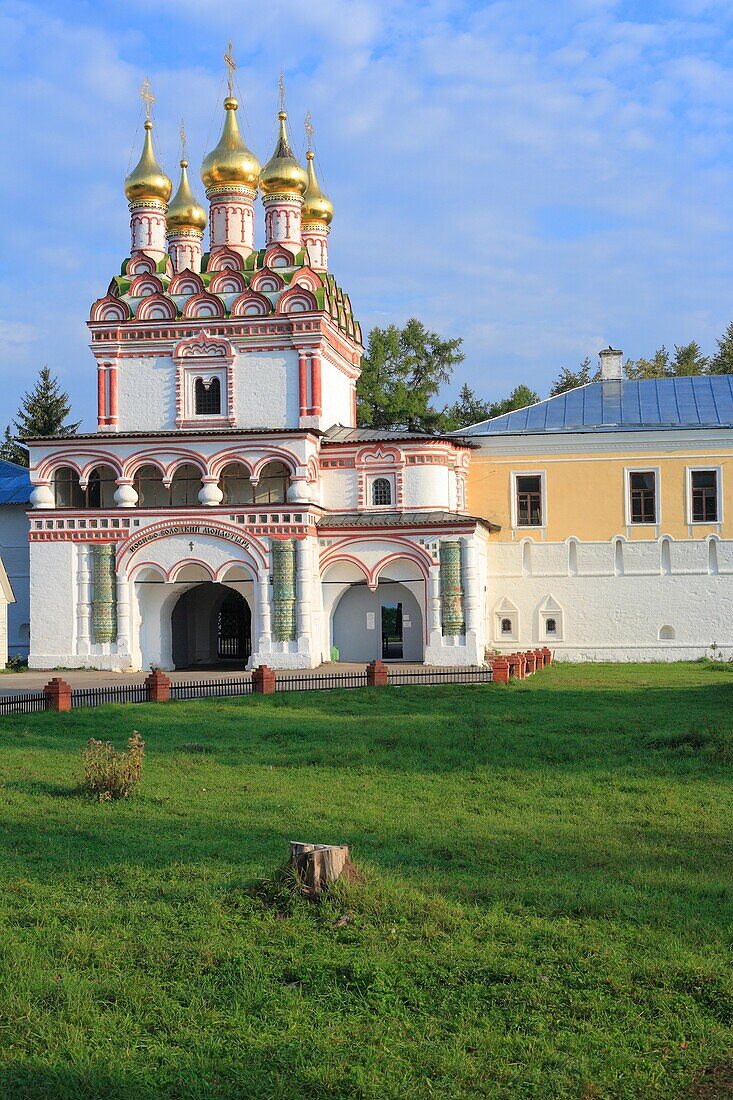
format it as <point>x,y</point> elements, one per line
<point>688,360</point>
<point>656,367</point>
<point>42,413</point>
<point>469,409</point>
<point>722,361</point>
<point>570,380</point>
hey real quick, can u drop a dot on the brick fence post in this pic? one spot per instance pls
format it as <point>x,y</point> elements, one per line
<point>521,665</point>
<point>530,662</point>
<point>58,695</point>
<point>263,680</point>
<point>500,669</point>
<point>548,655</point>
<point>158,686</point>
<point>539,658</point>
<point>377,674</point>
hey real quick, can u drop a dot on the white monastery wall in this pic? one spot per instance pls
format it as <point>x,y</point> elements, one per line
<point>266,390</point>
<point>336,391</point>
<point>428,486</point>
<point>340,488</point>
<point>147,394</point>
<point>644,602</point>
<point>53,592</point>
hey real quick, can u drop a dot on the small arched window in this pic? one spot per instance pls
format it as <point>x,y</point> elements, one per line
<point>272,488</point>
<point>381,491</point>
<point>101,487</point>
<point>506,626</point>
<point>186,485</point>
<point>207,397</point>
<point>67,490</point>
<point>236,485</point>
<point>148,484</point>
<point>551,626</point>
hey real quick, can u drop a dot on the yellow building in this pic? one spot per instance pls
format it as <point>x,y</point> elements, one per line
<point>614,502</point>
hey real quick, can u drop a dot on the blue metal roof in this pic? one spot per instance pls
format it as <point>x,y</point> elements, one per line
<point>704,401</point>
<point>15,483</point>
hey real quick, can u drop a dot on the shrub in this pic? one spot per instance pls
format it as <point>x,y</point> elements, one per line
<point>110,774</point>
<point>335,653</point>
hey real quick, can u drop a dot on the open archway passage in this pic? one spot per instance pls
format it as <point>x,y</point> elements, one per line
<point>386,624</point>
<point>211,624</point>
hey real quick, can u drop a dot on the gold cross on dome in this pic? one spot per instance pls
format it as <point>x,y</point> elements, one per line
<point>281,86</point>
<point>309,131</point>
<point>231,65</point>
<point>147,97</point>
<point>182,135</point>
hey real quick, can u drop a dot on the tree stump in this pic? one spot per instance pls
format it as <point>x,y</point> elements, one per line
<point>318,865</point>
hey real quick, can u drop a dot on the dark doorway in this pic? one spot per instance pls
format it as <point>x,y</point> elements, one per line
<point>392,631</point>
<point>211,624</point>
<point>233,641</point>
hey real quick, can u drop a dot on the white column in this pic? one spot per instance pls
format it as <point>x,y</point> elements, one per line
<point>471,597</point>
<point>303,625</point>
<point>264,640</point>
<point>435,637</point>
<point>123,615</point>
<point>83,599</point>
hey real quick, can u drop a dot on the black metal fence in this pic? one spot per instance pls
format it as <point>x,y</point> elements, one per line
<point>33,701</point>
<point>101,696</point>
<point>203,689</point>
<point>325,681</point>
<point>28,703</point>
<point>427,676</point>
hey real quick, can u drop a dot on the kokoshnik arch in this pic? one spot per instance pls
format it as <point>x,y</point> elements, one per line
<point>228,508</point>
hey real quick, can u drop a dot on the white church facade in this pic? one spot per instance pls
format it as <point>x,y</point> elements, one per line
<point>227,509</point>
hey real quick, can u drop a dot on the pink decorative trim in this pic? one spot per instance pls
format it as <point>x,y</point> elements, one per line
<point>186,282</point>
<point>205,306</point>
<point>251,304</point>
<point>303,383</point>
<point>316,385</point>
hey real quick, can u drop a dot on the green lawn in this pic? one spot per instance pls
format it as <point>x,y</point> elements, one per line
<point>546,909</point>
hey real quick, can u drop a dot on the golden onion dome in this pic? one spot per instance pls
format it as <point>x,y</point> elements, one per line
<point>147,181</point>
<point>183,211</point>
<point>231,162</point>
<point>282,174</point>
<point>317,207</point>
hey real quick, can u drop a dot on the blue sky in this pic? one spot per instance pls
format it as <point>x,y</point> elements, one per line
<point>540,178</point>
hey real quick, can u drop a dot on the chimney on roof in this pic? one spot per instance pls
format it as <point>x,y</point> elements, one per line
<point>612,365</point>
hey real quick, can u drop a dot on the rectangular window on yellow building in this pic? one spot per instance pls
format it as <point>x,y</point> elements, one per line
<point>529,501</point>
<point>643,490</point>
<point>704,496</point>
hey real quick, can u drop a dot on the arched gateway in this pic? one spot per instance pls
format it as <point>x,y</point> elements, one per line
<point>196,591</point>
<point>211,624</point>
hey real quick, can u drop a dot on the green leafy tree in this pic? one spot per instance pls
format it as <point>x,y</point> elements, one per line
<point>656,367</point>
<point>403,370</point>
<point>570,380</point>
<point>722,361</point>
<point>42,412</point>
